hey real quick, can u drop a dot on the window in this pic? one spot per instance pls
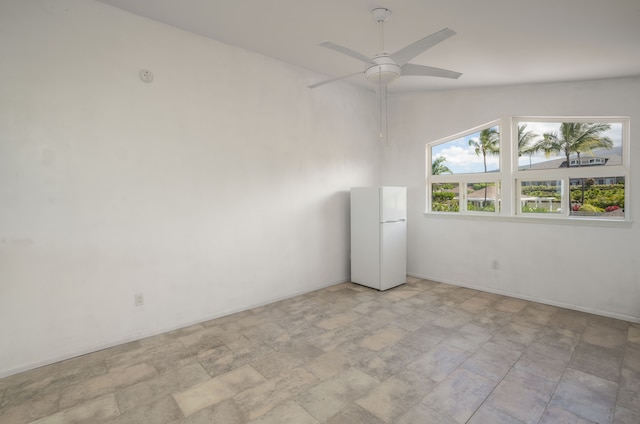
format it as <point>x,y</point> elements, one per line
<point>563,168</point>
<point>465,172</point>
<point>540,197</point>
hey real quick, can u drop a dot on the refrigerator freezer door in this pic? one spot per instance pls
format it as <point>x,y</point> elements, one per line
<point>393,204</point>
<point>393,254</point>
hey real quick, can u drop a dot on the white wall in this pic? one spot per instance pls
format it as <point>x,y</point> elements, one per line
<point>220,186</point>
<point>594,269</point>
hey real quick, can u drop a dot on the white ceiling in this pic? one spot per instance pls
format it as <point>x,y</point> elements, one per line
<point>498,42</point>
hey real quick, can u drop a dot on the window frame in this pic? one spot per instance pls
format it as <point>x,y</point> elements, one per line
<point>465,179</point>
<point>510,177</point>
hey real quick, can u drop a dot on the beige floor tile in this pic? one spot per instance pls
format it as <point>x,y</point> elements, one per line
<point>164,356</point>
<point>631,359</point>
<point>330,340</point>
<point>262,398</point>
<point>389,361</point>
<point>606,322</point>
<point>633,335</point>
<point>421,413</point>
<point>368,307</point>
<point>532,316</point>
<point>217,389</point>
<point>29,409</point>
<point>96,410</point>
<point>454,319</point>
<point>629,388</point>
<point>476,304</point>
<point>586,396</point>
<point>604,336</point>
<point>163,411</point>
<point>339,320</point>
<point>459,395</point>
<point>41,382</point>
<point>223,359</point>
<point>225,412</point>
<point>570,320</point>
<point>555,415</point>
<point>600,361</point>
<point>492,361</point>
<point>519,401</point>
<point>391,399</point>
<point>377,320</point>
<point>559,338</point>
<point>425,338</point>
<point>510,305</point>
<point>272,365</point>
<point>469,337</point>
<point>354,413</point>
<point>488,415</point>
<point>159,387</point>
<point>329,397</point>
<point>383,337</point>
<point>201,339</point>
<point>439,362</point>
<point>515,336</point>
<point>287,413</point>
<point>343,357</point>
<point>106,383</point>
<point>531,381</point>
<point>493,319</point>
<point>625,416</point>
<point>400,292</point>
<point>544,360</point>
<point>267,332</point>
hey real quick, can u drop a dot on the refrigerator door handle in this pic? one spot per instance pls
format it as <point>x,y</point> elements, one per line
<point>390,222</point>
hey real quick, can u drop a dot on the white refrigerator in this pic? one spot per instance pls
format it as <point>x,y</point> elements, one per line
<point>379,236</point>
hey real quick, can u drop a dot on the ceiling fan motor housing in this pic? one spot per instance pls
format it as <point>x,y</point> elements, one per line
<point>384,71</point>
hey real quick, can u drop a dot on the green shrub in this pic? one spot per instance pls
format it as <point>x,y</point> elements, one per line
<point>445,207</point>
<point>529,209</point>
<point>590,208</point>
<point>442,196</point>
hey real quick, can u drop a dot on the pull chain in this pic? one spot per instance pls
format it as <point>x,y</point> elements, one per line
<point>380,102</point>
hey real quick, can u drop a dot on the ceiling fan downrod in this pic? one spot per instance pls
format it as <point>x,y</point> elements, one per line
<point>384,70</point>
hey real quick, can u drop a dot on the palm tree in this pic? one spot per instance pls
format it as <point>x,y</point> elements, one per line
<point>525,145</point>
<point>438,167</point>
<point>487,144</point>
<point>575,137</point>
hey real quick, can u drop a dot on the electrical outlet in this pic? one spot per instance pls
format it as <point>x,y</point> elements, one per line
<point>495,264</point>
<point>139,299</point>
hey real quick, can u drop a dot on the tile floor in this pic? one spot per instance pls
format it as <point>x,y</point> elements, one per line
<point>423,352</point>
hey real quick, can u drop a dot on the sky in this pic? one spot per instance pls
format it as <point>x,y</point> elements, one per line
<point>462,159</point>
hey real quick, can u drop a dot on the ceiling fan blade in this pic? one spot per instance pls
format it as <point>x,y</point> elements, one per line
<point>318,84</point>
<point>347,51</point>
<point>409,69</point>
<point>407,53</point>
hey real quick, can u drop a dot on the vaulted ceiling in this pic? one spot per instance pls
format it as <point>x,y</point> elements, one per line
<point>498,42</point>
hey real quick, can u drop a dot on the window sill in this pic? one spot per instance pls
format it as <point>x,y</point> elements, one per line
<point>533,220</point>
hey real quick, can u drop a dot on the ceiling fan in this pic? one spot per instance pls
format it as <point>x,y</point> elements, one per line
<point>384,68</point>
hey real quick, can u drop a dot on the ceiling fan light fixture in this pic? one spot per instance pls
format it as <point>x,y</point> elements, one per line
<point>384,71</point>
<point>380,76</point>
